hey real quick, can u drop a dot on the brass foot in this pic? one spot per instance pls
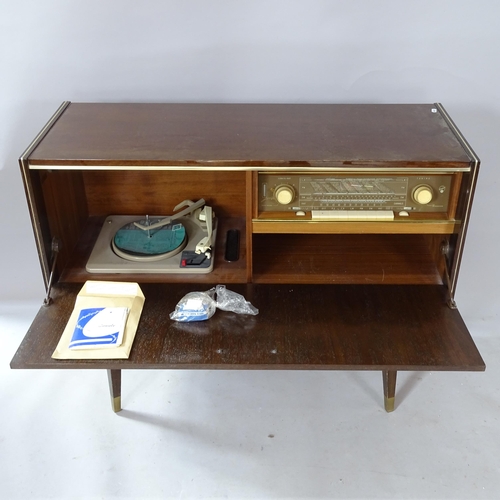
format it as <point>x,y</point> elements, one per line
<point>389,377</point>
<point>389,404</point>
<point>115,389</point>
<point>117,404</point>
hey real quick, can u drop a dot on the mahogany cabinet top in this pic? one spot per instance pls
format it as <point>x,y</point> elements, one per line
<point>249,135</point>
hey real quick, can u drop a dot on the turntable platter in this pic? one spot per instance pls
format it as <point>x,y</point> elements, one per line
<point>133,243</point>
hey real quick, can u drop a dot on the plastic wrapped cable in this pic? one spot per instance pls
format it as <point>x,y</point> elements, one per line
<point>194,306</point>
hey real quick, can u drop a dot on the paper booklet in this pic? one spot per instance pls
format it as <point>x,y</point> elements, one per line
<point>99,328</point>
<point>103,323</point>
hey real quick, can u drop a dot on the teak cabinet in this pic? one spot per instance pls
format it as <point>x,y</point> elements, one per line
<point>356,294</point>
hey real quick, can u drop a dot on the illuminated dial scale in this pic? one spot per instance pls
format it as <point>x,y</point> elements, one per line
<point>296,192</point>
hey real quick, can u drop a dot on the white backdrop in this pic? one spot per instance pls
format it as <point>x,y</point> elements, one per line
<point>381,51</point>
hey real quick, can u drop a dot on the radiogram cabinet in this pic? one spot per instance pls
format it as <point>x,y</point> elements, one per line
<point>351,218</point>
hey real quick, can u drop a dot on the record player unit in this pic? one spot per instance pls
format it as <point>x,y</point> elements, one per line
<point>181,243</point>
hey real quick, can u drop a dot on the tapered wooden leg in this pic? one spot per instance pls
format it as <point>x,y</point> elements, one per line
<point>115,389</point>
<point>389,377</point>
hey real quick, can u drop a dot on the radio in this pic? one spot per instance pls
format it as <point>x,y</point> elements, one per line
<point>302,193</point>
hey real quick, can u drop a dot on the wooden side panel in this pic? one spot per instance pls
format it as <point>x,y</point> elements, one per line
<point>454,195</point>
<point>39,219</point>
<point>464,205</point>
<point>66,209</point>
<point>251,181</point>
<point>435,243</point>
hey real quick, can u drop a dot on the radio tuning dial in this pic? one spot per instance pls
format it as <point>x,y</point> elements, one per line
<point>423,194</point>
<point>284,194</point>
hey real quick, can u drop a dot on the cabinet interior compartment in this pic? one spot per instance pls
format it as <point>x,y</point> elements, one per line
<point>348,258</point>
<point>76,203</point>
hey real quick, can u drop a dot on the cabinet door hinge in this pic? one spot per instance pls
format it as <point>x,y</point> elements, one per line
<point>445,252</point>
<point>55,247</point>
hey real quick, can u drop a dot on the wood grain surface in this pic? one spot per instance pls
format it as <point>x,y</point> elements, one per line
<point>321,135</point>
<point>298,327</point>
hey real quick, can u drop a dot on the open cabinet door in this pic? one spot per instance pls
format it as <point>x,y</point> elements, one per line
<point>387,328</point>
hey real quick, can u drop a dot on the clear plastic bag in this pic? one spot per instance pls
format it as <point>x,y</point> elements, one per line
<point>228,300</point>
<point>200,306</point>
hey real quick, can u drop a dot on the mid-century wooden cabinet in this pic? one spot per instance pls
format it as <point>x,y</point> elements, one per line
<point>351,218</point>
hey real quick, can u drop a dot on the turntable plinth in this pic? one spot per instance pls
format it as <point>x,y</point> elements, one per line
<point>332,294</point>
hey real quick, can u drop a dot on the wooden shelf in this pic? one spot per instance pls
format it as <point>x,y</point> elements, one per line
<point>344,259</point>
<point>286,223</point>
<point>298,327</point>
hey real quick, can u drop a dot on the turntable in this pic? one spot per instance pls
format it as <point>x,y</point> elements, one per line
<point>180,243</point>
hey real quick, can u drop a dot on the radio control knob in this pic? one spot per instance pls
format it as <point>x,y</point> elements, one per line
<point>284,194</point>
<point>423,194</point>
